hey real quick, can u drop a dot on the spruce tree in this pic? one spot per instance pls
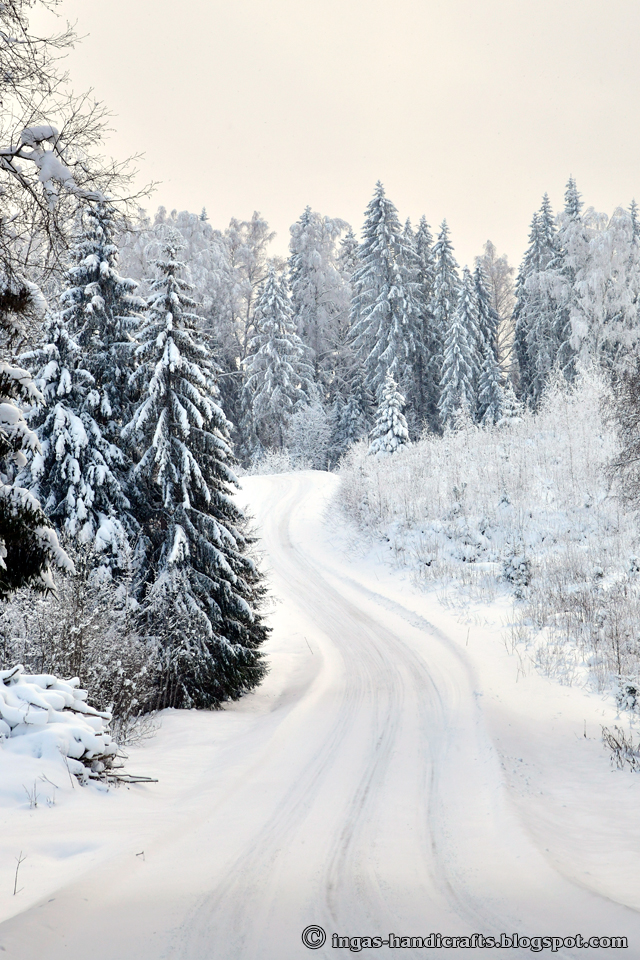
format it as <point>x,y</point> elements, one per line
<point>460,361</point>
<point>572,243</point>
<point>488,319</point>
<point>427,372</point>
<point>75,473</point>
<point>390,431</point>
<point>489,389</point>
<point>490,392</point>
<point>384,311</point>
<point>348,425</point>
<point>536,340</point>
<point>446,286</point>
<point>278,376</point>
<point>29,545</point>
<point>202,591</point>
<point>101,311</point>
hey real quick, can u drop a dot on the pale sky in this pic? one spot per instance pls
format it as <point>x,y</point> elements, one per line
<point>465,109</point>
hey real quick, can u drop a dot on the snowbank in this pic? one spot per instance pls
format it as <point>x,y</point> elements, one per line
<point>525,508</point>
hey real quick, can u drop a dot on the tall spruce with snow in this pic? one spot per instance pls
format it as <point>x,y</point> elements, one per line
<point>490,405</point>
<point>390,431</point>
<point>488,319</point>
<point>489,385</point>
<point>572,241</point>
<point>427,367</point>
<point>384,310</point>
<point>319,293</point>
<point>101,310</point>
<point>446,287</point>
<point>75,474</point>
<point>350,418</point>
<point>202,591</point>
<point>458,382</point>
<point>278,376</point>
<point>535,312</point>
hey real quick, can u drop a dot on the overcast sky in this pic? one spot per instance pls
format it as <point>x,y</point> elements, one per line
<point>465,109</point>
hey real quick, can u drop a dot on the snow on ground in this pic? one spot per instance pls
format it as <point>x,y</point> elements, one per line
<point>399,770</point>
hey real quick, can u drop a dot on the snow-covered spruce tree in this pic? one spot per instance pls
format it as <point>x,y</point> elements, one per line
<point>28,544</point>
<point>460,362</point>
<point>279,378</point>
<point>534,316</point>
<point>427,373</point>
<point>390,431</point>
<point>446,286</point>
<point>101,310</point>
<point>319,293</point>
<point>384,311</point>
<point>75,474</point>
<point>417,384</point>
<point>488,319</point>
<point>490,405</point>
<point>489,388</point>
<point>351,417</point>
<point>201,592</point>
<point>572,240</point>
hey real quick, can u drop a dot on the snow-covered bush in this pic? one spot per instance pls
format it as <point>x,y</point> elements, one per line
<point>87,629</point>
<point>308,436</point>
<point>269,461</point>
<point>42,716</point>
<point>527,503</point>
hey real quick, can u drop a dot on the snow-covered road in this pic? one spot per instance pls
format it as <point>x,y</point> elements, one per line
<point>360,789</point>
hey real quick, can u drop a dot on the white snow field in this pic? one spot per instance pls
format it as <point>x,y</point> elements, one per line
<point>396,773</point>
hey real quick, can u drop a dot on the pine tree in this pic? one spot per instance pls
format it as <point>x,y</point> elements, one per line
<point>390,431</point>
<point>101,310</point>
<point>75,473</point>
<point>278,376</point>
<point>201,591</point>
<point>384,311</point>
<point>460,360</point>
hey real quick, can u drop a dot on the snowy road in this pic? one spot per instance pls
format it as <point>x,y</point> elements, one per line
<point>359,789</point>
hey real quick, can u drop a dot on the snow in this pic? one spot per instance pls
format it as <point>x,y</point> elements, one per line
<point>400,769</point>
<point>40,719</point>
